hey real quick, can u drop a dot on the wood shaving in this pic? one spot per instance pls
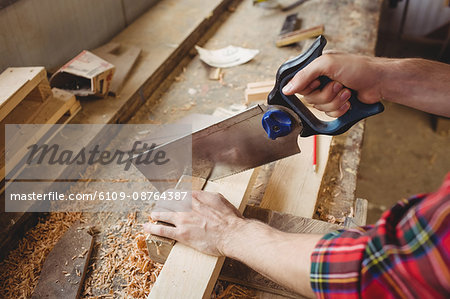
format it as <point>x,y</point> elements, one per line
<point>125,264</point>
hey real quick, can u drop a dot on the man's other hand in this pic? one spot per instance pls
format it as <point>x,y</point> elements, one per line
<point>205,227</point>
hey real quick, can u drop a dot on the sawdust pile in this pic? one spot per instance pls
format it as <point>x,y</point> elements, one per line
<point>119,266</point>
<point>122,267</point>
<point>19,271</point>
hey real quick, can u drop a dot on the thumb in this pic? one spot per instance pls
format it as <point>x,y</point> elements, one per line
<point>305,77</point>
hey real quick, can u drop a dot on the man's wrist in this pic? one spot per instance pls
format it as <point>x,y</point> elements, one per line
<point>233,235</point>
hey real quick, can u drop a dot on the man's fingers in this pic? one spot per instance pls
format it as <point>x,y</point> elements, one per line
<point>311,87</point>
<point>337,101</point>
<point>324,96</point>
<point>165,216</point>
<point>318,67</point>
<point>161,230</point>
<point>339,112</point>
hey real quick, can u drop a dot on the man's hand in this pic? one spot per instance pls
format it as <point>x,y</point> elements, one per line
<point>206,227</point>
<point>360,73</point>
<point>417,83</point>
<point>214,226</point>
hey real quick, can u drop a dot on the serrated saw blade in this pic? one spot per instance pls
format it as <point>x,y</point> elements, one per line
<point>230,146</point>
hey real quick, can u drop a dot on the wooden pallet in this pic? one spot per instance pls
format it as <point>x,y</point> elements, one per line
<point>59,108</point>
<point>19,83</point>
<point>26,98</point>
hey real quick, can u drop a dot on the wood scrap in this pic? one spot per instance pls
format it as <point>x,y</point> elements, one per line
<point>216,74</point>
<point>123,58</point>
<point>65,267</point>
<point>299,35</point>
<point>291,23</point>
<point>258,91</point>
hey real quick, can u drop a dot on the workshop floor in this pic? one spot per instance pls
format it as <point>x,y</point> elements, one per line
<point>402,155</point>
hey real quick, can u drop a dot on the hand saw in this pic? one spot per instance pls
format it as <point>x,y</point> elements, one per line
<point>260,134</point>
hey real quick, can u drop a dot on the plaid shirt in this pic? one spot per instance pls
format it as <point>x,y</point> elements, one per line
<point>406,254</point>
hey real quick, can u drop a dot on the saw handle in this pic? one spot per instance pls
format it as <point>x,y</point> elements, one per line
<point>311,124</point>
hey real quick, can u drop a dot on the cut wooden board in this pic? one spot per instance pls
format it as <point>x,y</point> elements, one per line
<point>299,35</point>
<point>65,267</point>
<point>16,84</point>
<point>123,59</point>
<point>258,91</point>
<point>294,186</point>
<point>189,273</point>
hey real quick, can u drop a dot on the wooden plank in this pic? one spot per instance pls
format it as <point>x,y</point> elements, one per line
<point>299,35</point>
<point>123,58</point>
<point>16,84</point>
<point>65,267</point>
<point>294,186</point>
<point>188,273</point>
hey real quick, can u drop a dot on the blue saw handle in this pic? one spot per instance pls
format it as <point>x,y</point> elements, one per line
<point>311,124</point>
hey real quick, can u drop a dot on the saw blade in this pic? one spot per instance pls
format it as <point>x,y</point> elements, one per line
<point>233,145</point>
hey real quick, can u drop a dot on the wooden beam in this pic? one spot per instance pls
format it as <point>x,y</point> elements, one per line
<point>189,273</point>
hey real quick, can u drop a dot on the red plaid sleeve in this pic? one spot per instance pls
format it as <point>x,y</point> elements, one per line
<point>406,254</point>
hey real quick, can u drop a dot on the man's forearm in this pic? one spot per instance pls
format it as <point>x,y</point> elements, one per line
<point>285,258</point>
<point>418,83</point>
